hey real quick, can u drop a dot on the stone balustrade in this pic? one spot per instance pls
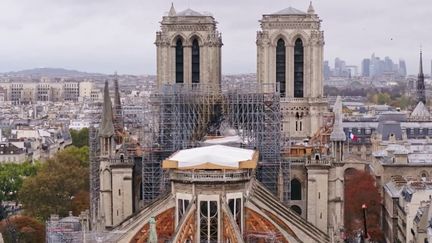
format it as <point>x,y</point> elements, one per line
<point>210,176</point>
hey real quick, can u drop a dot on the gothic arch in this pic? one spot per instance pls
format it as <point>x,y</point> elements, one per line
<point>304,37</point>
<point>423,174</point>
<point>177,36</point>
<point>280,35</point>
<point>195,36</point>
<point>349,171</point>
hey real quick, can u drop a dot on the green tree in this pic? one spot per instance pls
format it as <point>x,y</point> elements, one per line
<point>57,183</point>
<point>80,138</point>
<point>11,178</point>
<point>383,98</point>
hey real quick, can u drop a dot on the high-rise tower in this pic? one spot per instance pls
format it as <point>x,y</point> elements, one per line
<point>421,90</point>
<point>290,57</point>
<point>188,49</point>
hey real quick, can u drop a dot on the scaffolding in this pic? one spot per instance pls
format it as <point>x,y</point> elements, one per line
<point>94,172</point>
<point>179,116</point>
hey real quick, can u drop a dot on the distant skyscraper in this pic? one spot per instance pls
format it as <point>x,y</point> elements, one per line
<point>366,67</point>
<point>421,96</point>
<point>374,66</point>
<point>402,68</point>
<point>388,64</point>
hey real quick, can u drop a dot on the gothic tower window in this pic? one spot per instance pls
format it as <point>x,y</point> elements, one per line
<point>179,61</point>
<point>296,193</point>
<point>298,68</point>
<point>195,61</point>
<point>280,66</point>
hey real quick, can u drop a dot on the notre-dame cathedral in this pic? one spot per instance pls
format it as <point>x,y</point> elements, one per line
<point>289,58</point>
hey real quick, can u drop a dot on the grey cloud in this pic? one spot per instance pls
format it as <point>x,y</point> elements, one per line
<point>109,35</point>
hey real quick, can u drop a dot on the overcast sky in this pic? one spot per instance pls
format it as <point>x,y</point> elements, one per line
<point>117,35</point>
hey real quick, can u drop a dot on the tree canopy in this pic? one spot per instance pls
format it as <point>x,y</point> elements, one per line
<point>360,189</point>
<point>22,229</point>
<point>54,189</point>
<point>80,138</point>
<point>11,178</point>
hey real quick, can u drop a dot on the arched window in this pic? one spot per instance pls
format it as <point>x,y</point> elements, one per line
<point>179,61</point>
<point>298,68</point>
<point>296,193</point>
<point>280,66</point>
<point>296,209</point>
<point>195,61</point>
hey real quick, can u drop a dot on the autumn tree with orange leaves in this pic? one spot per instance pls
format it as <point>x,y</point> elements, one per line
<point>23,229</point>
<point>360,189</point>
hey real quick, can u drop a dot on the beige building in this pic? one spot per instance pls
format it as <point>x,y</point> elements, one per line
<point>45,90</point>
<point>85,89</point>
<point>404,203</point>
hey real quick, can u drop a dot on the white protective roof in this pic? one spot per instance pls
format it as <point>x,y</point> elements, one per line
<point>220,155</point>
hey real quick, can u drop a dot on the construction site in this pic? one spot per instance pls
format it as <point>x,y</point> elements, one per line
<point>182,116</point>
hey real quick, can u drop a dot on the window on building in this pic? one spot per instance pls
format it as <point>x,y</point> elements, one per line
<point>281,66</point>
<point>296,193</point>
<point>179,61</point>
<point>195,61</point>
<point>182,206</point>
<point>298,68</point>
<point>235,207</point>
<point>208,221</point>
<point>296,209</point>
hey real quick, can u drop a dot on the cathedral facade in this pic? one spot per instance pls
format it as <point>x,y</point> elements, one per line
<point>289,62</point>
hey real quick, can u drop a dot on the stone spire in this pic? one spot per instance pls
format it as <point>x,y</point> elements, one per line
<point>106,127</point>
<point>338,134</point>
<point>172,11</point>
<point>421,96</point>
<point>311,9</point>
<point>118,116</point>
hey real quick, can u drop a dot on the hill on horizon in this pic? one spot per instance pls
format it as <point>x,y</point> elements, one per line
<point>52,72</point>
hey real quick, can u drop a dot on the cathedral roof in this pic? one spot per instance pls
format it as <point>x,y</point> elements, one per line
<point>289,11</point>
<point>106,128</point>
<point>420,111</point>
<point>189,12</point>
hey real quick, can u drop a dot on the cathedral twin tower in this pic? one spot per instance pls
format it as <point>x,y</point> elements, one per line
<point>289,60</point>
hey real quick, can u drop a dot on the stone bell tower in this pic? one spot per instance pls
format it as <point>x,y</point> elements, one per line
<point>115,172</point>
<point>188,49</point>
<point>290,61</point>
